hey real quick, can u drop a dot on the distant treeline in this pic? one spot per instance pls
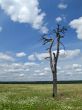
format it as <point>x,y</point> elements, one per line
<point>41,82</point>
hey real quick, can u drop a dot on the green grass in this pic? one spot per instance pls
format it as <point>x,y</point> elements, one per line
<point>39,97</point>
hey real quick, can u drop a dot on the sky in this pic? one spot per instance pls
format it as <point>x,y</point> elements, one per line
<point>22,55</point>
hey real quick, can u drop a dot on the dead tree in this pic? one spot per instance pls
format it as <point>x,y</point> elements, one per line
<point>59,33</point>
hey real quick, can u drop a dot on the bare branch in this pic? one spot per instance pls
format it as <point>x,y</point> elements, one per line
<point>46,40</point>
<point>46,57</point>
<point>63,30</point>
<point>62,45</point>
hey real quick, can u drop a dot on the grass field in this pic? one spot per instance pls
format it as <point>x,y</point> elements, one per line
<point>38,97</point>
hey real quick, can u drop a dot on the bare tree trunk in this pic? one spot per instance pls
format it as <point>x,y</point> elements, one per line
<point>55,70</point>
<point>55,82</point>
<point>53,65</point>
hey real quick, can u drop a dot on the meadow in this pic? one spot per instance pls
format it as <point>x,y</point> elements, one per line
<point>39,97</point>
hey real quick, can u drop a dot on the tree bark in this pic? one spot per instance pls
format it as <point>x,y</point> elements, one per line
<point>55,82</point>
<point>55,70</point>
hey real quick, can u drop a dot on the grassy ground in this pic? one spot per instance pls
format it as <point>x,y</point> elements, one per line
<point>38,97</point>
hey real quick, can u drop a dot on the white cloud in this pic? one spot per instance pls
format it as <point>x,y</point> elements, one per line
<point>58,19</point>
<point>1,29</point>
<point>73,70</point>
<point>37,71</point>
<point>6,57</point>
<point>30,64</point>
<point>62,71</point>
<point>31,71</point>
<point>41,74</point>
<point>24,11</point>
<point>69,73</point>
<point>61,18</point>
<point>69,53</point>
<point>38,56</point>
<point>47,69</point>
<point>27,69</point>
<point>78,70</point>
<point>41,56</point>
<point>62,6</point>
<point>62,54</point>
<point>21,75</point>
<point>31,58</point>
<point>58,68</point>
<point>73,67</point>
<point>21,54</point>
<point>77,66</point>
<point>77,25</point>
<point>14,71</point>
<point>44,29</point>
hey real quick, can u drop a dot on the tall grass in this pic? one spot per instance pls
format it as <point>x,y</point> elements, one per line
<point>39,97</point>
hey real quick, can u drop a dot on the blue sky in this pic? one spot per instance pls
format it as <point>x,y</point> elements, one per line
<point>22,23</point>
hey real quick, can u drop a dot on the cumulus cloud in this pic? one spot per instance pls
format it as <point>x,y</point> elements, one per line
<point>77,66</point>
<point>37,71</point>
<point>6,57</point>
<point>47,69</point>
<point>27,71</point>
<point>44,29</point>
<point>62,5</point>
<point>38,56</point>
<point>58,19</point>
<point>58,68</point>
<point>31,71</point>
<point>73,68</point>
<point>41,56</point>
<point>31,58</point>
<point>25,11</point>
<point>31,64</point>
<point>78,70</point>
<point>21,75</point>
<point>13,68</point>
<point>62,54</point>
<point>21,54</point>
<point>41,74</point>
<point>69,53</point>
<point>77,25</point>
